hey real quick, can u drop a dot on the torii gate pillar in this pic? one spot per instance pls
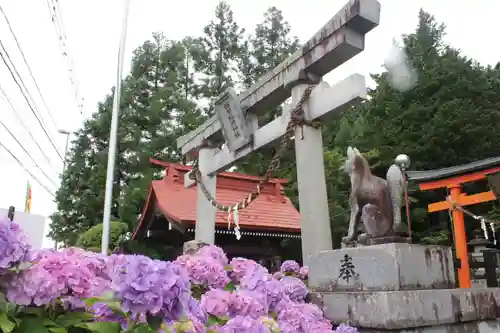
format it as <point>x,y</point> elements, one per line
<point>205,211</point>
<point>313,200</point>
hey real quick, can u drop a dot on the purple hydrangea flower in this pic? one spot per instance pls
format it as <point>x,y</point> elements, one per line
<point>145,286</point>
<point>240,266</point>
<point>103,313</point>
<point>290,266</point>
<point>205,271</point>
<point>195,309</point>
<point>290,318</point>
<point>214,252</point>
<point>343,328</point>
<point>241,324</point>
<point>303,273</point>
<point>34,286</point>
<point>295,289</point>
<point>216,302</point>
<point>248,304</point>
<point>151,286</point>
<point>64,274</point>
<point>255,278</point>
<point>295,317</point>
<point>275,293</point>
<point>14,246</point>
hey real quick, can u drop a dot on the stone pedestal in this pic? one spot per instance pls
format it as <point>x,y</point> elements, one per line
<point>387,267</point>
<point>399,288</point>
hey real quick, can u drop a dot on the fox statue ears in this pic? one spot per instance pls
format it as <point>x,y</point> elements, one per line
<point>352,152</point>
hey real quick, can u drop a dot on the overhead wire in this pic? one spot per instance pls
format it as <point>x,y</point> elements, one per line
<point>57,20</point>
<point>27,153</point>
<point>40,121</point>
<point>6,99</point>
<point>27,170</point>
<point>28,66</point>
<point>27,96</point>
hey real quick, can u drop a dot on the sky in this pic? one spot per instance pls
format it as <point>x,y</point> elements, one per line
<point>92,29</point>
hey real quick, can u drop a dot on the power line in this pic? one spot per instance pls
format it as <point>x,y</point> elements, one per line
<point>56,17</point>
<point>28,66</point>
<point>26,91</point>
<point>40,121</point>
<point>26,169</point>
<point>27,153</point>
<point>20,120</point>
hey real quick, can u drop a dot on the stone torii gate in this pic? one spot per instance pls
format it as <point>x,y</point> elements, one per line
<point>336,42</point>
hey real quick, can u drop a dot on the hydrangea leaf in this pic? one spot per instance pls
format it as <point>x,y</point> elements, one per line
<point>102,327</point>
<point>73,318</point>
<point>6,325</point>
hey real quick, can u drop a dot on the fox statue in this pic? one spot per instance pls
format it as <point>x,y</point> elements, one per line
<point>373,200</point>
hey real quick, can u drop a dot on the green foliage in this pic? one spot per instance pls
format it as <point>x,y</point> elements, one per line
<point>157,107</point>
<point>216,52</point>
<point>171,83</point>
<point>434,122</point>
<point>50,319</point>
<point>133,246</point>
<point>91,239</point>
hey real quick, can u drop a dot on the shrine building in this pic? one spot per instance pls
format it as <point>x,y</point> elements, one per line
<point>270,226</point>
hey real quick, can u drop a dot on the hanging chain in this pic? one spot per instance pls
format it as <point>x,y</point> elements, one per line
<point>296,119</point>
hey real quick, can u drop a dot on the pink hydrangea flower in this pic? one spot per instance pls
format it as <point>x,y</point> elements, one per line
<point>216,302</point>
<point>290,266</point>
<point>303,273</point>
<point>239,267</point>
<point>214,252</point>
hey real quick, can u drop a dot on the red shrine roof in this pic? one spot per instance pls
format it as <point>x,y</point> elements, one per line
<point>272,210</point>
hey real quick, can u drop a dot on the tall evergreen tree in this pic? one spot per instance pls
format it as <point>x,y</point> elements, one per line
<point>154,112</point>
<point>215,53</point>
<point>269,46</point>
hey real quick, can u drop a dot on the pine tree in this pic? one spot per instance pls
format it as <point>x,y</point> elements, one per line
<point>154,112</point>
<point>272,43</point>
<point>215,53</point>
<point>81,195</point>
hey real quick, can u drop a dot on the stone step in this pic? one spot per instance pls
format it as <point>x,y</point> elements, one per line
<point>410,309</point>
<point>489,326</point>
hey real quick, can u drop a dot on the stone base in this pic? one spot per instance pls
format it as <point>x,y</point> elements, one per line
<point>377,241</point>
<point>393,266</point>
<point>387,240</point>
<point>490,326</point>
<point>412,309</point>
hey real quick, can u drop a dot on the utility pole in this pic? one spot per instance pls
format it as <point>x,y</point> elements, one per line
<point>67,133</point>
<point>113,134</point>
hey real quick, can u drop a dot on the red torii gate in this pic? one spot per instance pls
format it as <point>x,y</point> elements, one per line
<point>452,179</point>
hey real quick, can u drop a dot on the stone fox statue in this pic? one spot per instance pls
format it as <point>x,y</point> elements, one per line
<point>373,200</point>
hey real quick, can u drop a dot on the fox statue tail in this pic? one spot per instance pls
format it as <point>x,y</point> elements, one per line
<point>395,182</point>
